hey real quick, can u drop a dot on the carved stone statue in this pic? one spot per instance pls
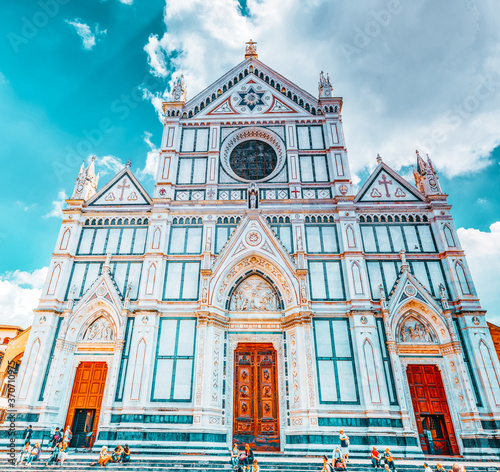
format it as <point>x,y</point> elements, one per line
<point>179,92</point>
<point>99,330</point>
<point>253,197</point>
<point>254,294</point>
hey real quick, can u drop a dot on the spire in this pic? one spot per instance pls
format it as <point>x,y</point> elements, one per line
<point>251,49</point>
<point>179,91</point>
<point>86,182</point>
<point>426,178</point>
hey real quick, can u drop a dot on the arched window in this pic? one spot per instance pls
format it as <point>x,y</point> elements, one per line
<point>462,278</point>
<point>356,278</point>
<point>371,371</point>
<point>351,239</point>
<point>54,278</point>
<point>491,381</point>
<point>140,354</point>
<point>450,240</point>
<point>150,284</point>
<point>65,239</point>
<point>156,239</point>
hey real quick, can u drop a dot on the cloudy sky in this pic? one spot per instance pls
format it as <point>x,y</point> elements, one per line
<point>82,78</point>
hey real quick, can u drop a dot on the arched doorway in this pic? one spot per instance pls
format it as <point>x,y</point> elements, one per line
<point>256,410</point>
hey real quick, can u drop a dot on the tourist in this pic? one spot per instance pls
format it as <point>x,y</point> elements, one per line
<point>344,445</point>
<point>56,438</point>
<point>67,435</point>
<point>375,458</point>
<point>235,456</point>
<point>249,457</point>
<point>338,460</point>
<point>427,468</point>
<point>125,454</point>
<point>104,458</point>
<point>34,454</point>
<point>326,466</point>
<point>63,453</point>
<point>440,468</point>
<point>28,432</point>
<point>255,466</point>
<point>24,453</point>
<point>54,457</point>
<point>117,454</point>
<point>388,459</point>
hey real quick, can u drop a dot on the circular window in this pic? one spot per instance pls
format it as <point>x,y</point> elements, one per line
<point>253,160</point>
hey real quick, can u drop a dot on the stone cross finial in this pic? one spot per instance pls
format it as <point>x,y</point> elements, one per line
<point>404,263</point>
<point>105,267</point>
<point>251,49</point>
<point>379,159</point>
<point>129,289</point>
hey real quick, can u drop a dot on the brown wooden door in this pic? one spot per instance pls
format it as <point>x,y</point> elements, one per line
<point>255,397</point>
<point>87,393</point>
<point>434,423</point>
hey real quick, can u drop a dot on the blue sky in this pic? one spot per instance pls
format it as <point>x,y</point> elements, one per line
<point>87,78</point>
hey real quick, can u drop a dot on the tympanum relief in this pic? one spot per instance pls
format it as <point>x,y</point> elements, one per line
<point>413,331</point>
<point>254,294</point>
<point>99,330</point>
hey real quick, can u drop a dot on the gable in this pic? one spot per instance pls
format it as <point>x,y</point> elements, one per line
<point>250,97</point>
<point>123,189</point>
<point>385,185</point>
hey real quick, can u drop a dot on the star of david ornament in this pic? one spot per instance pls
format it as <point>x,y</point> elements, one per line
<point>251,98</point>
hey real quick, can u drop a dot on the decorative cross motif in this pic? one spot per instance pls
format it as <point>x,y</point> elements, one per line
<point>251,49</point>
<point>123,187</point>
<point>295,191</point>
<point>386,184</point>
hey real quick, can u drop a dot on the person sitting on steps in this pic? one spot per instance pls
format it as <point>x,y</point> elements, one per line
<point>249,457</point>
<point>235,456</point>
<point>389,460</point>
<point>126,454</point>
<point>326,466</point>
<point>54,457</point>
<point>338,460</point>
<point>104,458</point>
<point>117,454</point>
<point>375,458</point>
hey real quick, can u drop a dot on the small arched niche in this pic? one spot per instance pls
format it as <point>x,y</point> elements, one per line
<point>255,293</point>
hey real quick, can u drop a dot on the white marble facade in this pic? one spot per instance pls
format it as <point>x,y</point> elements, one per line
<point>349,288</point>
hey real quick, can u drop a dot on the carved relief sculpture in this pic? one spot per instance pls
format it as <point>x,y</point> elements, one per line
<point>413,331</point>
<point>99,330</point>
<point>254,294</point>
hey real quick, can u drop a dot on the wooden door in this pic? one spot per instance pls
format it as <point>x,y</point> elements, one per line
<point>433,418</point>
<point>255,397</point>
<point>87,393</point>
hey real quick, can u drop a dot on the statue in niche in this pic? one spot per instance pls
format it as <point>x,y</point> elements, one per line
<point>253,197</point>
<point>413,331</point>
<point>254,294</point>
<point>99,330</point>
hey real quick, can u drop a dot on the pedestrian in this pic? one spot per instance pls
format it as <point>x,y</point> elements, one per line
<point>104,458</point>
<point>125,454</point>
<point>326,466</point>
<point>117,454</point>
<point>440,468</point>
<point>28,432</point>
<point>338,460</point>
<point>54,457</point>
<point>235,456</point>
<point>344,445</point>
<point>67,435</point>
<point>427,468</point>
<point>56,438</point>
<point>249,457</point>
<point>256,467</point>
<point>375,458</point>
<point>24,453</point>
<point>389,460</point>
<point>34,453</point>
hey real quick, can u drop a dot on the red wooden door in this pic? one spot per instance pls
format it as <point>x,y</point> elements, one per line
<point>435,428</point>
<point>255,397</point>
<point>87,393</point>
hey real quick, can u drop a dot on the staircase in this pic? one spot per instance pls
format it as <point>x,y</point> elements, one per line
<point>267,463</point>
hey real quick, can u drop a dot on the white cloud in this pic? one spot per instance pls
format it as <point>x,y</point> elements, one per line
<point>57,206</point>
<point>19,295</point>
<point>483,255</point>
<point>127,2</point>
<point>413,75</point>
<point>152,157</point>
<point>88,36</point>
<point>107,164</point>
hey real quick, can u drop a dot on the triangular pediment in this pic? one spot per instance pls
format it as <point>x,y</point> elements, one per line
<point>251,97</point>
<point>252,236</point>
<point>407,287</point>
<point>385,185</point>
<point>122,189</point>
<point>250,89</point>
<point>103,288</point>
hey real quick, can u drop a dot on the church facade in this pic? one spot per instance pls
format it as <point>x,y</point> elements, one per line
<point>256,297</point>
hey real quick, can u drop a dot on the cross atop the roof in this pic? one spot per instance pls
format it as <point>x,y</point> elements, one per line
<point>251,49</point>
